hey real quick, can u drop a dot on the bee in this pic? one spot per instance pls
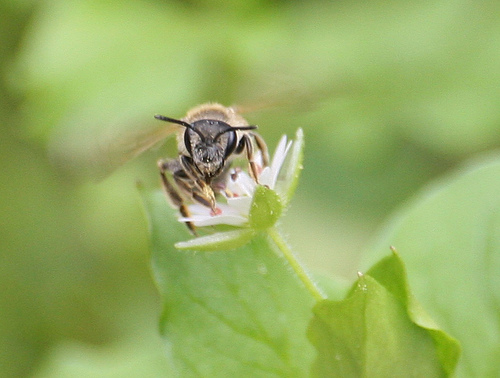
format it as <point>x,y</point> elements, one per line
<point>210,137</point>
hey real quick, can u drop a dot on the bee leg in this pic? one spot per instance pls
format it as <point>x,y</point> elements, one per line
<point>262,146</point>
<point>200,191</point>
<point>175,197</point>
<point>254,168</point>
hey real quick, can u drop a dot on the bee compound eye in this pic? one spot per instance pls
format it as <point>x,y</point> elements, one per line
<point>231,143</point>
<point>187,141</point>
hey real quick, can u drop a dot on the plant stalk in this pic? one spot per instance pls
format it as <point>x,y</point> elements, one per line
<point>297,268</point>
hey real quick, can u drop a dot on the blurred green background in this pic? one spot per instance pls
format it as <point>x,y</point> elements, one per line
<point>390,94</point>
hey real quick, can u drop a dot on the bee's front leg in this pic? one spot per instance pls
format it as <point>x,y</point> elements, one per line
<point>200,190</point>
<point>171,192</point>
<point>262,146</point>
<point>246,144</point>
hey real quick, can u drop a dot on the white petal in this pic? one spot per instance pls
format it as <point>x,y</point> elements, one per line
<point>279,157</point>
<point>244,185</point>
<point>266,177</point>
<point>202,221</point>
<point>197,209</point>
<point>242,204</point>
<point>234,214</point>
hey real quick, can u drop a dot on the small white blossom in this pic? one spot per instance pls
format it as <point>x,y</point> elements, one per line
<point>240,188</point>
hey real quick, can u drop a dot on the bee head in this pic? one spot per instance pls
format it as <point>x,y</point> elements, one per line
<point>209,143</point>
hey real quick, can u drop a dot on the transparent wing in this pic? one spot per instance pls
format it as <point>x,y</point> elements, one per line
<point>291,97</point>
<point>84,151</point>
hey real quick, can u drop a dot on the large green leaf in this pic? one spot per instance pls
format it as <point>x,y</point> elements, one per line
<point>379,331</point>
<point>449,238</point>
<point>239,312</point>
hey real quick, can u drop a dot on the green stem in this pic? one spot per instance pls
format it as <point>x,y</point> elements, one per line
<point>297,268</point>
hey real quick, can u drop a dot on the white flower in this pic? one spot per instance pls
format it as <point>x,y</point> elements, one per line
<point>240,188</point>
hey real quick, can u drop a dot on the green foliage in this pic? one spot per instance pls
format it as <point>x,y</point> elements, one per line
<point>238,312</point>
<point>449,238</point>
<point>390,94</point>
<point>244,312</point>
<point>224,312</point>
<point>377,331</point>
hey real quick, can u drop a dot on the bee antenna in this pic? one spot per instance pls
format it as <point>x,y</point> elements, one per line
<point>249,127</point>
<point>179,122</point>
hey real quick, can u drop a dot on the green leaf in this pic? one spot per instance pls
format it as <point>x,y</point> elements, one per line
<point>376,331</point>
<point>449,237</point>
<point>237,313</point>
<point>391,273</point>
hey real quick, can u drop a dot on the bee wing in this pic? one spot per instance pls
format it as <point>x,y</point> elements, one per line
<point>85,153</point>
<point>133,144</point>
<point>288,96</point>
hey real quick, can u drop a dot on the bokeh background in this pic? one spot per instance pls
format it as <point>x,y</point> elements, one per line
<point>390,94</point>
